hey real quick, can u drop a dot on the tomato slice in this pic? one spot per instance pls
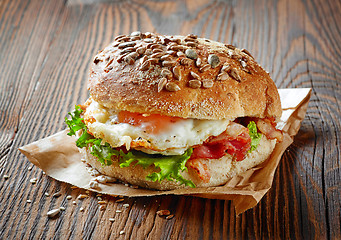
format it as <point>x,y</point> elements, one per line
<point>153,123</point>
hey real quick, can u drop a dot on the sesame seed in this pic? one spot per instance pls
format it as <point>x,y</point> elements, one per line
<point>112,219</point>
<point>99,198</point>
<point>28,201</point>
<point>101,202</point>
<point>118,211</point>
<point>74,202</point>
<point>169,217</point>
<point>6,177</point>
<point>120,200</point>
<point>122,232</point>
<point>126,205</point>
<point>68,197</point>
<point>102,207</point>
<point>62,208</point>
<point>81,209</point>
<point>47,194</point>
<point>29,168</point>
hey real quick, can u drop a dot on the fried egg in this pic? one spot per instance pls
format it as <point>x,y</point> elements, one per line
<point>175,139</point>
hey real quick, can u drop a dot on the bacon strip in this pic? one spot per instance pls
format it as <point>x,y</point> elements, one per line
<point>268,128</point>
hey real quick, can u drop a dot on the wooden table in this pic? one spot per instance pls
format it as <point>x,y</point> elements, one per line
<point>45,51</point>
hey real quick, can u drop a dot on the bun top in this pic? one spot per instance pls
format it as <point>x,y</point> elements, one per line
<point>183,76</point>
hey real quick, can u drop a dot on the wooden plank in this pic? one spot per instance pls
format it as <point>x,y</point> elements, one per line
<point>47,47</point>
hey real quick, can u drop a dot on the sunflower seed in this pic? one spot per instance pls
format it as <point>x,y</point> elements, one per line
<point>180,54</point>
<point>119,37</point>
<point>52,213</point>
<point>129,60</point>
<point>166,58</point>
<point>161,84</point>
<point>136,33</point>
<point>172,87</point>
<point>195,75</point>
<point>124,39</point>
<point>156,46</point>
<point>168,63</point>
<point>148,40</point>
<point>192,36</point>
<point>243,63</point>
<point>176,72</point>
<point>148,52</point>
<point>198,62</point>
<point>148,34</point>
<point>171,52</point>
<point>191,44</point>
<point>222,76</point>
<point>194,84</point>
<point>178,48</point>
<point>204,68</point>
<point>127,50</point>
<point>246,69</point>
<point>116,44</point>
<point>176,40</point>
<point>153,61</point>
<point>230,46</point>
<point>145,66</point>
<point>126,44</point>
<point>157,50</point>
<point>135,38</point>
<point>141,50</point>
<point>190,53</point>
<point>213,60</point>
<point>207,83</point>
<point>166,73</point>
<point>157,55</point>
<point>189,39</point>
<point>225,68</point>
<point>247,52</point>
<point>236,57</point>
<point>233,73</point>
<point>121,58</point>
<point>57,194</point>
<point>186,61</point>
<point>82,196</point>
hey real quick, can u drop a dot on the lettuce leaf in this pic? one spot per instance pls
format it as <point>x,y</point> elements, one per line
<point>169,167</point>
<point>254,134</point>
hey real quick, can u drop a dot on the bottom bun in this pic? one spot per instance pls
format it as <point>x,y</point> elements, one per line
<point>221,169</point>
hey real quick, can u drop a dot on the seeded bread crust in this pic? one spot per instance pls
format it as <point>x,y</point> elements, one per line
<point>221,170</point>
<point>149,73</point>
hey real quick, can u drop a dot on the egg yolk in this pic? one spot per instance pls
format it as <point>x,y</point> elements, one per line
<point>153,123</point>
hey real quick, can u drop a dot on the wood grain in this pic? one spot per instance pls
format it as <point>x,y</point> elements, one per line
<point>46,48</point>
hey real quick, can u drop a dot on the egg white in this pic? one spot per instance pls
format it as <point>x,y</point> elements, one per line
<point>179,136</point>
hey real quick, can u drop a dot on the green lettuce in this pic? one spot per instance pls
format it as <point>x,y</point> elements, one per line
<point>254,135</point>
<point>169,167</point>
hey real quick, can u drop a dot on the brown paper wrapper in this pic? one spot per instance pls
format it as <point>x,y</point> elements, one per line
<point>58,157</point>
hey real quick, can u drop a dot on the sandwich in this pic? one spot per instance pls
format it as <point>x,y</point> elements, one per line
<point>169,112</point>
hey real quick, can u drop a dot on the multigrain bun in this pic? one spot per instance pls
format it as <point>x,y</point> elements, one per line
<point>187,77</point>
<point>180,76</point>
<point>221,169</point>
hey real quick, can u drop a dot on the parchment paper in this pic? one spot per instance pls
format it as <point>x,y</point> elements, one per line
<point>58,157</point>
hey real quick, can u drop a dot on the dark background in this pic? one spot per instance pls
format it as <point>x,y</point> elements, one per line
<point>45,51</point>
